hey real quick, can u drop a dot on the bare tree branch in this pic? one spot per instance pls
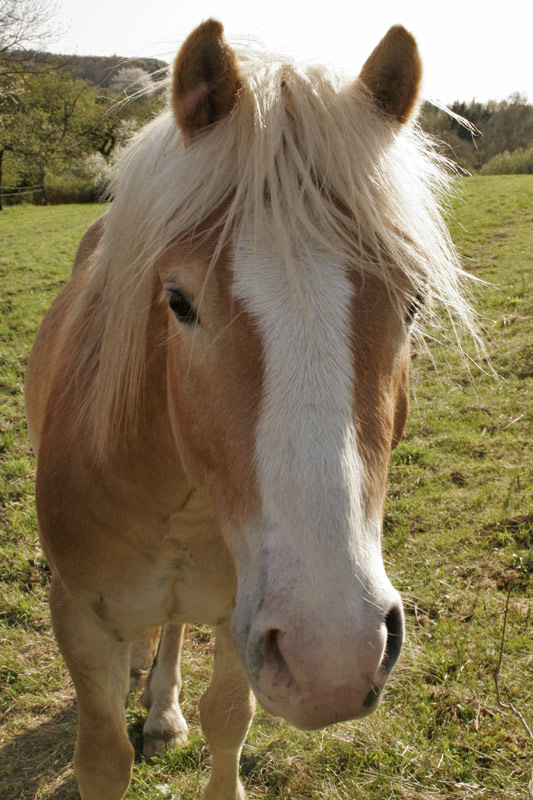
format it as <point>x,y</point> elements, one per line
<point>26,24</point>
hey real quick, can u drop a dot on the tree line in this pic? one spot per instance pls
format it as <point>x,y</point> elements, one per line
<point>502,141</point>
<point>63,119</point>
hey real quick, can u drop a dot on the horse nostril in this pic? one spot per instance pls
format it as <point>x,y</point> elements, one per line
<point>271,651</point>
<point>273,657</point>
<point>276,672</point>
<point>372,698</point>
<point>394,624</point>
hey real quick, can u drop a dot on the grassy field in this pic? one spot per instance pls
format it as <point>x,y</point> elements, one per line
<point>458,536</point>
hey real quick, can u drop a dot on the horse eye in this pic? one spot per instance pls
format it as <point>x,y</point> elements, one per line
<point>413,307</point>
<point>182,307</point>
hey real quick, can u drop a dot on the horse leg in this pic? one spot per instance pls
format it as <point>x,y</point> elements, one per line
<point>165,724</point>
<point>226,711</point>
<point>142,655</point>
<point>97,660</point>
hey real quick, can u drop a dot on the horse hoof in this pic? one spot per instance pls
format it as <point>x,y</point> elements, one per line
<point>156,743</point>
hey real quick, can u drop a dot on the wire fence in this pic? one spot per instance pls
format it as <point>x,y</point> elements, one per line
<point>15,191</point>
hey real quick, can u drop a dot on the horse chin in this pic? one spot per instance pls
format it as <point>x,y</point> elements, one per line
<point>308,716</point>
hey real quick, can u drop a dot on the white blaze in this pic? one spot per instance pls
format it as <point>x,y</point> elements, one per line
<point>309,468</point>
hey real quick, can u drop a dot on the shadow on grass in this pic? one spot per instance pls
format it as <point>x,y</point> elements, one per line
<point>38,761</point>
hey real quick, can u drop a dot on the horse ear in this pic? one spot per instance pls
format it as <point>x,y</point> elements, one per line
<point>205,81</point>
<point>392,74</point>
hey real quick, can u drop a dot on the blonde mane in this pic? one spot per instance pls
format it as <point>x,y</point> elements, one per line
<point>303,159</point>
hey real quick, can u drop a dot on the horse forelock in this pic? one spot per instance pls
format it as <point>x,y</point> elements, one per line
<point>303,161</point>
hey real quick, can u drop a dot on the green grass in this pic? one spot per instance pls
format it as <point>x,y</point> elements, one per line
<point>458,538</point>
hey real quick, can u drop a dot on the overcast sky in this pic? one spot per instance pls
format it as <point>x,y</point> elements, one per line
<point>469,48</point>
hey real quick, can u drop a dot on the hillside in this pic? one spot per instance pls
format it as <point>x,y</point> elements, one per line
<point>98,70</point>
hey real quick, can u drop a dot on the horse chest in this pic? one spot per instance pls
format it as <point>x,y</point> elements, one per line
<point>195,568</point>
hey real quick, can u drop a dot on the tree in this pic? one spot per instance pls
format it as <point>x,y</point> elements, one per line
<point>505,126</point>
<point>50,122</point>
<point>23,24</point>
<point>510,126</point>
<point>131,99</point>
<point>476,113</point>
<point>26,24</point>
<point>129,81</point>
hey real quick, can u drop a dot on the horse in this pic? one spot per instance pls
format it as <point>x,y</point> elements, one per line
<point>214,396</point>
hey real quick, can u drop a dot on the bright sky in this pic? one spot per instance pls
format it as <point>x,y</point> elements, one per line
<point>469,48</point>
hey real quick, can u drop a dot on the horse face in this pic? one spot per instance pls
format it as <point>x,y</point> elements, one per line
<point>286,403</point>
<point>317,622</point>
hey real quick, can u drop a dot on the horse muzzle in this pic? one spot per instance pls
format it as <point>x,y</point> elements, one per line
<point>312,680</point>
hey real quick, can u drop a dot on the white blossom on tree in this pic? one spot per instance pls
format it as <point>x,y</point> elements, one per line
<point>130,81</point>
